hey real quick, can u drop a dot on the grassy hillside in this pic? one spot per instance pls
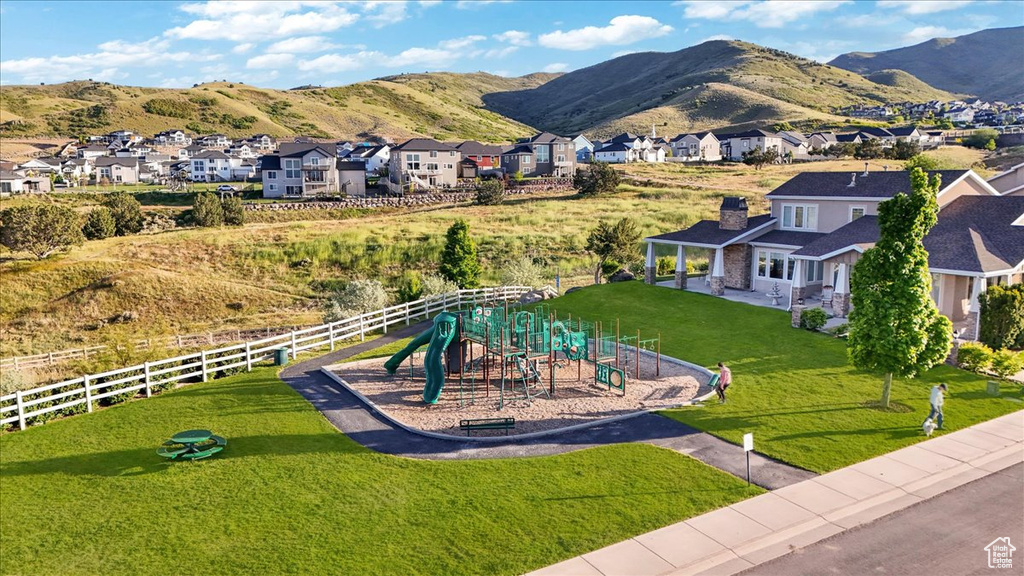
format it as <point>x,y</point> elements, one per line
<point>439,105</point>
<point>747,83</point>
<point>986,64</point>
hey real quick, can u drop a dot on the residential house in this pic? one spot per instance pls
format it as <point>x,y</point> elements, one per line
<point>696,147</point>
<point>43,166</point>
<point>343,147</point>
<point>544,154</point>
<point>68,150</point>
<point>424,164</point>
<point>1009,182</point>
<point>351,177</point>
<point>907,133</point>
<point>821,140</point>
<point>75,170</point>
<point>584,149</point>
<point>117,170</point>
<point>92,151</point>
<point>123,136</point>
<point>614,153</point>
<point>242,150</point>
<point>933,139</point>
<point>172,138</point>
<point>262,142</point>
<point>735,145</point>
<point>849,138</point>
<point>484,156</point>
<point>795,145</point>
<point>638,149</point>
<point>300,169</point>
<point>960,114</point>
<point>218,141</point>
<point>820,223</point>
<point>18,182</point>
<point>190,151</point>
<point>372,158</point>
<point>216,166</point>
<point>884,136</point>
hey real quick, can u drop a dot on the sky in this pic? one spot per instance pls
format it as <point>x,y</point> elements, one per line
<point>283,44</point>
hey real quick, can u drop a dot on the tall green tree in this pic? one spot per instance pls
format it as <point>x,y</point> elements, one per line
<point>459,260</point>
<point>895,326</point>
<point>127,213</point>
<point>207,210</point>
<point>40,229</point>
<point>99,224</point>
<point>597,178</point>
<point>616,242</point>
<point>234,211</point>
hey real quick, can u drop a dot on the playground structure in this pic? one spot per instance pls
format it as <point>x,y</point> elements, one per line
<point>519,352</point>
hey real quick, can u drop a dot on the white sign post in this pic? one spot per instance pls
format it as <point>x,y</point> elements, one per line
<point>748,445</point>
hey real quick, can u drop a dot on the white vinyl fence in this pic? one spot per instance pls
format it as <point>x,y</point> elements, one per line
<point>80,394</point>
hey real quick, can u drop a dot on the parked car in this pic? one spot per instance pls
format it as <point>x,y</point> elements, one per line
<point>226,188</point>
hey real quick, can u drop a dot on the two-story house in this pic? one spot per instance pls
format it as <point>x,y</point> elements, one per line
<point>300,169</point>
<point>794,144</point>
<point>696,147</point>
<point>584,149</point>
<point>210,166</point>
<point>373,158</point>
<point>92,151</point>
<point>172,138</point>
<point>735,145</point>
<point>544,154</point>
<point>218,141</point>
<point>262,142</point>
<point>821,140</point>
<point>117,170</point>
<point>628,147</point>
<point>820,223</point>
<point>423,164</point>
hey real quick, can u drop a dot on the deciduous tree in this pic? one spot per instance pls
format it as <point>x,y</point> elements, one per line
<point>127,213</point>
<point>895,326</point>
<point>597,178</point>
<point>40,229</point>
<point>617,242</point>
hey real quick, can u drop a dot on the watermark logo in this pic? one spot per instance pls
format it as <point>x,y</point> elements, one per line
<point>1000,553</point>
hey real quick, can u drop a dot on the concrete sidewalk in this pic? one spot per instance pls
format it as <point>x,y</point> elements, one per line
<point>734,538</point>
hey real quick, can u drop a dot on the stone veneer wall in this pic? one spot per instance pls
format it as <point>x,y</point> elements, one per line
<point>737,260</point>
<point>732,219</point>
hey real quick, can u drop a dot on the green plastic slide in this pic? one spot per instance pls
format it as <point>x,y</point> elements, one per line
<point>439,336</point>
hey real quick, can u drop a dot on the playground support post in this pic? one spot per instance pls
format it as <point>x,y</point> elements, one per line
<point>551,354</point>
<point>637,359</point>
<point>617,343</point>
<point>579,362</point>
<point>657,368</point>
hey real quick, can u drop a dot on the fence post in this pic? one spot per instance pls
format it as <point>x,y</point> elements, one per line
<point>21,411</point>
<point>444,301</point>
<point>88,394</point>
<point>15,362</point>
<point>384,319</point>
<point>50,358</point>
<point>362,334</point>
<point>202,361</point>
<point>330,331</point>
<point>293,345</point>
<point>145,367</point>
<point>248,357</point>
<point>406,313</point>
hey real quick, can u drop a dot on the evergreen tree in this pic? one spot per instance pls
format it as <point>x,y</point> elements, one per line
<point>127,213</point>
<point>459,261</point>
<point>207,210</point>
<point>40,229</point>
<point>597,178</point>
<point>895,326</point>
<point>234,211</point>
<point>99,224</point>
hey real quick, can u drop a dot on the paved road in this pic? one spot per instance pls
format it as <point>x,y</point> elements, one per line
<point>942,536</point>
<point>348,414</point>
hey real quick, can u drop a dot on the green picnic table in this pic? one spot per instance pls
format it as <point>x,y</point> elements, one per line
<point>192,445</point>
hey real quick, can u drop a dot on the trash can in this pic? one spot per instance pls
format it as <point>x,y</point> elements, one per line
<point>993,388</point>
<point>280,356</point>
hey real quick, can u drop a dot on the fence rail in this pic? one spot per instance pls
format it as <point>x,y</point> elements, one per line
<point>81,394</point>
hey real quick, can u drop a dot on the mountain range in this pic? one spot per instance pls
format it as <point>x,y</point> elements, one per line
<point>716,84</point>
<point>988,64</point>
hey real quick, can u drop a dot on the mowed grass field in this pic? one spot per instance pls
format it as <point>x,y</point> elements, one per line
<point>290,494</point>
<point>275,274</point>
<point>795,390</point>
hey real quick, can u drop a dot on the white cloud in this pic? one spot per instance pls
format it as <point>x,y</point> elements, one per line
<point>265,61</point>
<point>470,4</point>
<point>556,67</point>
<point>621,30</point>
<point>434,58</point>
<point>382,13</point>
<point>460,43</point>
<point>112,56</point>
<point>243,48</point>
<point>514,37</point>
<point>429,3</point>
<point>302,45</point>
<point>764,14</point>
<point>504,73</point>
<point>243,21</point>
<point>338,62</point>
<point>717,37</point>
<point>918,7</point>
<point>923,33</point>
<point>500,52</point>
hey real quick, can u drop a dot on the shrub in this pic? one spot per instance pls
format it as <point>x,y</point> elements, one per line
<point>1006,363</point>
<point>666,266</point>
<point>99,224</point>
<point>167,107</point>
<point>234,211</point>
<point>40,229</point>
<point>490,192</point>
<point>597,178</point>
<point>410,287</point>
<point>127,213</point>
<point>839,330</point>
<point>459,261</point>
<point>974,356</point>
<point>1002,316</point>
<point>981,137</point>
<point>813,318</point>
<point>923,162</point>
<point>522,272</point>
<point>358,297</point>
<point>434,284</point>
<point>207,210</point>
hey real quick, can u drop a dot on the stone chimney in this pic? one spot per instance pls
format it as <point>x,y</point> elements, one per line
<point>733,213</point>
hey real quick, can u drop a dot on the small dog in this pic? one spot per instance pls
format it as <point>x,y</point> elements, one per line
<point>929,427</point>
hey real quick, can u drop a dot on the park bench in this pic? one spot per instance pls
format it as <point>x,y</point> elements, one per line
<point>487,424</point>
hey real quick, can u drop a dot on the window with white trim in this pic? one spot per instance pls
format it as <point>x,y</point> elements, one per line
<point>272,187</point>
<point>292,168</point>
<point>543,154</point>
<point>431,167</point>
<point>800,216</point>
<point>815,270</point>
<point>524,159</point>
<point>771,264</point>
<point>433,153</point>
<point>856,212</point>
<point>412,161</point>
<point>271,175</point>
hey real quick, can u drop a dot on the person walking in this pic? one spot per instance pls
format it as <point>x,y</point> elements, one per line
<point>724,380</point>
<point>936,401</point>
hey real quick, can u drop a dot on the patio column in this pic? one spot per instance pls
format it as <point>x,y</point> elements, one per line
<point>650,268</point>
<point>973,321</point>
<point>681,267</point>
<point>718,273</point>
<point>799,286</point>
<point>841,295</point>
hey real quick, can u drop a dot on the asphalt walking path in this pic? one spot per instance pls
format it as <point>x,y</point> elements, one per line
<point>750,533</point>
<point>364,425</point>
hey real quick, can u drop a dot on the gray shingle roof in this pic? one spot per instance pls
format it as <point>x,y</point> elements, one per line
<point>862,232</point>
<point>789,238</point>
<point>836,184</point>
<point>976,234</point>
<point>474,148</point>
<point>708,232</point>
<point>423,144</point>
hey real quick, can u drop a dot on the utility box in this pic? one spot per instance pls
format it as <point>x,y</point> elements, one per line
<point>280,356</point>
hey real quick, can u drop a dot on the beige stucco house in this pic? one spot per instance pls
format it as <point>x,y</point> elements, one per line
<point>820,223</point>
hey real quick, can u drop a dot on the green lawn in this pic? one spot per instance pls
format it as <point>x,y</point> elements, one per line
<point>88,495</point>
<point>795,390</point>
